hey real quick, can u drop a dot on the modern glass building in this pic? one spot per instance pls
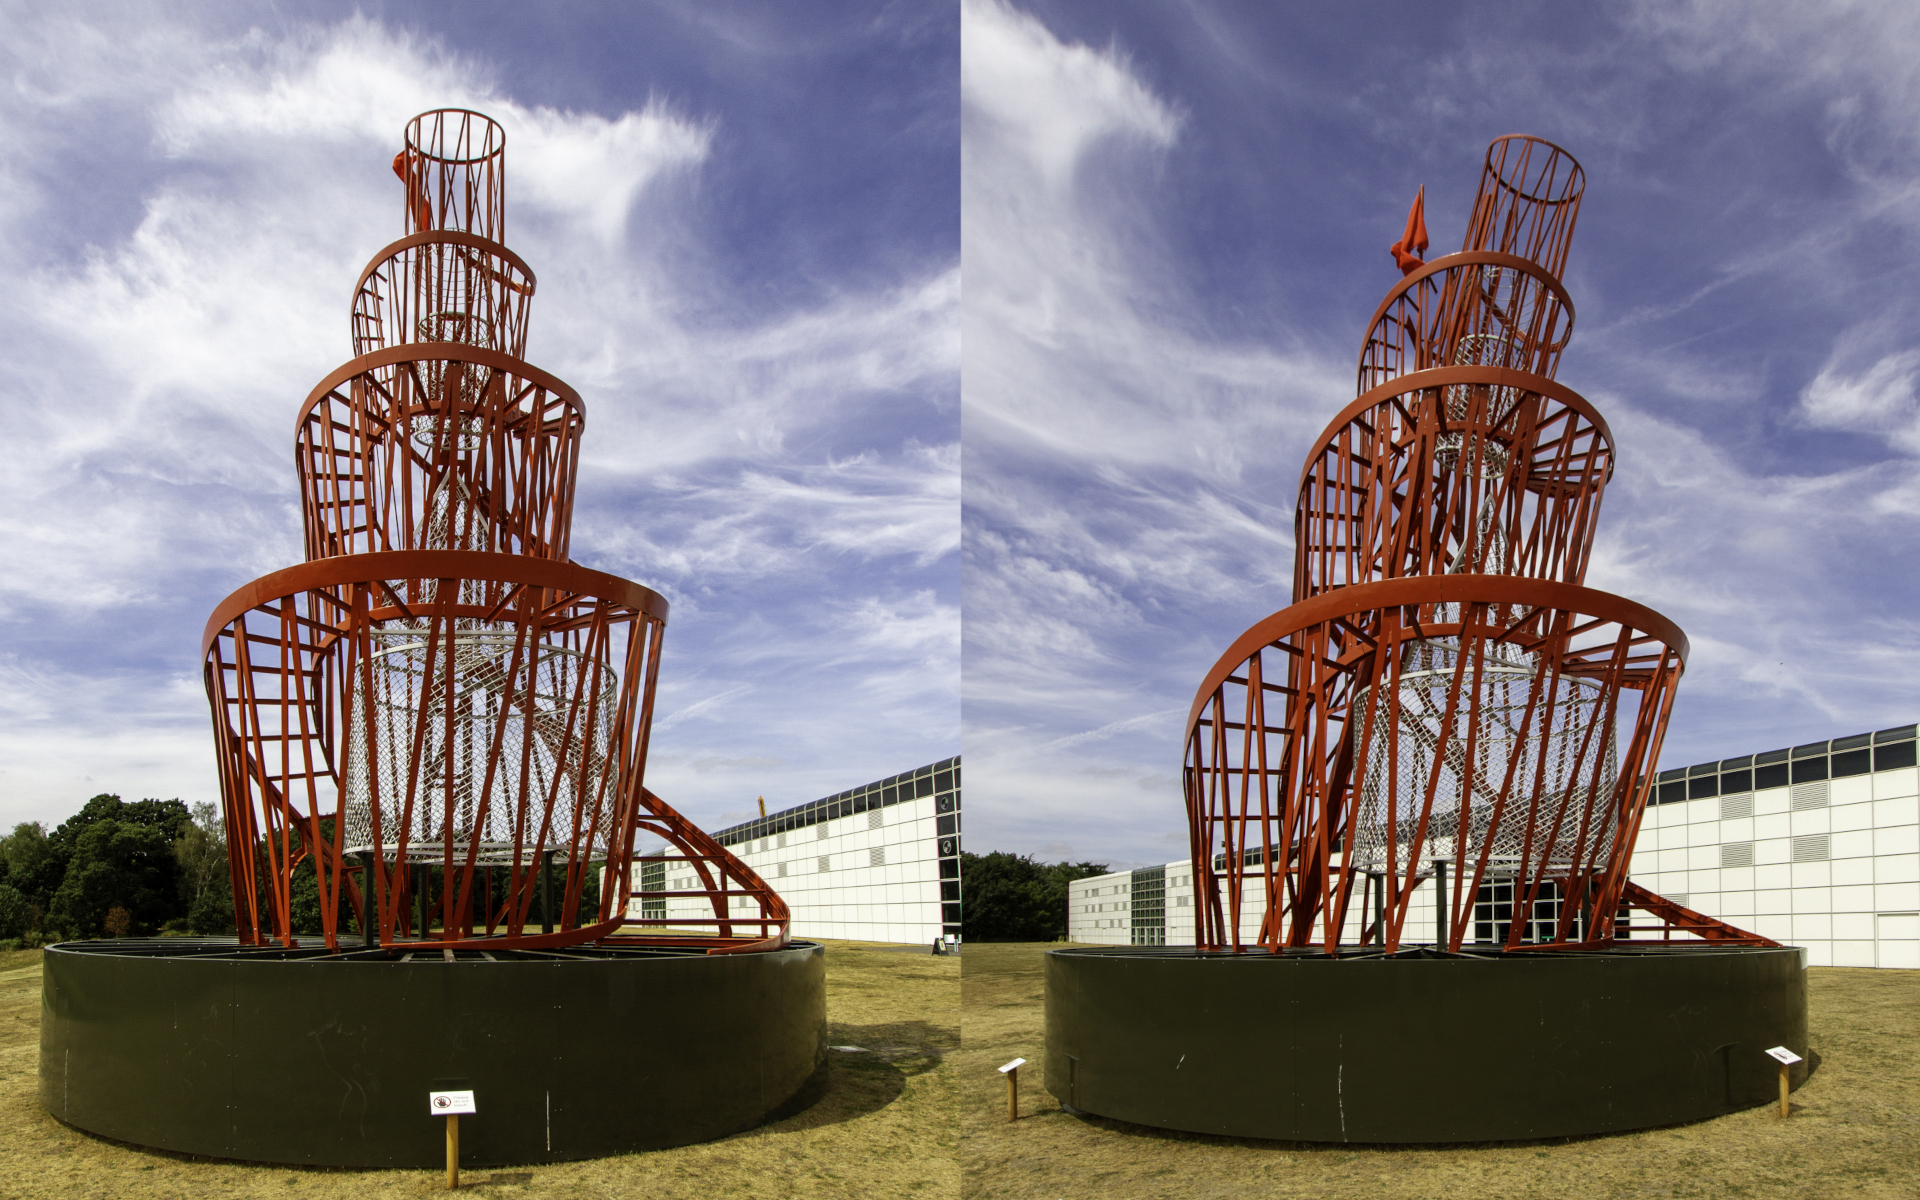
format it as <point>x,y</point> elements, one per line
<point>1816,845</point>
<point>878,863</point>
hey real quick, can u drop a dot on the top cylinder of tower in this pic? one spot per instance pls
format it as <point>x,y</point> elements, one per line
<point>454,167</point>
<point>1528,200</point>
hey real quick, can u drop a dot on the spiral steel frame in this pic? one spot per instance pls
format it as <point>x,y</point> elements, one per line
<point>1444,696</point>
<point>438,685</point>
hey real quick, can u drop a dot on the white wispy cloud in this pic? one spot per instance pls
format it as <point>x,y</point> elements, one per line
<point>1119,474</point>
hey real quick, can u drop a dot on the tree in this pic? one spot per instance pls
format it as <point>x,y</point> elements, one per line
<point>33,867</point>
<point>206,884</point>
<point>117,855</point>
<point>15,913</point>
<point>1013,898</point>
<point>303,898</point>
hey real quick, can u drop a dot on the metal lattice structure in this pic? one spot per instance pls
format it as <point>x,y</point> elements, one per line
<point>1445,698</point>
<point>439,715</point>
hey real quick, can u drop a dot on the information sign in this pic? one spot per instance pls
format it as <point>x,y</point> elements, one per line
<point>450,1104</point>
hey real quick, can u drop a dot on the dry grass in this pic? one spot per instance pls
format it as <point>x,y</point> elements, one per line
<point>885,1128</point>
<point>1855,1130</point>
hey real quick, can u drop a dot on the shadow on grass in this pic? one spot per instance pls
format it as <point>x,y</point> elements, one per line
<point>495,1179</point>
<point>858,1082</point>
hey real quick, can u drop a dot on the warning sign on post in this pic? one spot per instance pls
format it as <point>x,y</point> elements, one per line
<point>450,1104</point>
<point>1783,1056</point>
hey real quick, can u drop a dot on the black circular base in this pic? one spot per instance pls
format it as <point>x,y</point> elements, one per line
<point>1420,1046</point>
<point>202,1047</point>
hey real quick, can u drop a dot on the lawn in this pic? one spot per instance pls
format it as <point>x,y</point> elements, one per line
<point>1855,1129</point>
<point>884,1129</point>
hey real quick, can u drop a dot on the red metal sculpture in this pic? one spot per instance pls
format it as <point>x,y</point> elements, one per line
<point>439,708</point>
<point>1444,699</point>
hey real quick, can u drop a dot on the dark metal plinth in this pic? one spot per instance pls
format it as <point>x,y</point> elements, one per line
<point>305,1057</point>
<point>1420,1047</point>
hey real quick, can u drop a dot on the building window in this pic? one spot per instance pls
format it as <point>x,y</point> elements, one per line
<point>1895,756</point>
<point>1806,770</point>
<point>1736,854</point>
<point>1493,913</point>
<point>1853,762</point>
<point>653,878</point>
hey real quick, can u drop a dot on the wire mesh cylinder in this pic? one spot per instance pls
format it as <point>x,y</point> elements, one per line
<point>1519,777</point>
<point>454,745</point>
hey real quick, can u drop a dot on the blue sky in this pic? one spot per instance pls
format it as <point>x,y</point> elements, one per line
<point>744,219</point>
<point>1175,225</point>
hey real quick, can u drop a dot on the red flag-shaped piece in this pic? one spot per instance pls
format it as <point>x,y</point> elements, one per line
<point>1413,243</point>
<point>413,175</point>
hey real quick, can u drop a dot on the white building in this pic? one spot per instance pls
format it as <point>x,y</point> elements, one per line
<point>877,863</point>
<point>1816,846</point>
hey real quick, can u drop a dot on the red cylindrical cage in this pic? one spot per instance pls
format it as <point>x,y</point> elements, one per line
<point>1444,700</point>
<point>439,716</point>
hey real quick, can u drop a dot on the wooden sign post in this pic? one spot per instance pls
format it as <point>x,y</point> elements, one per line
<point>450,1105</point>
<point>453,1151</point>
<point>1786,1058</point>
<point>1012,1072</point>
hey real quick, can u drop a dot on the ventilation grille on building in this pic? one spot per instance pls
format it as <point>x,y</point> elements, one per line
<point>1811,847</point>
<point>877,857</point>
<point>1810,795</point>
<point>1679,898</point>
<point>783,841</point>
<point>1736,854</point>
<point>823,862</point>
<point>783,870</point>
<point>1732,808</point>
<point>873,817</point>
<point>822,835</point>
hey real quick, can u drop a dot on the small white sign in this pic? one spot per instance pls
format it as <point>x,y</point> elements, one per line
<point>1015,1065</point>
<point>450,1104</point>
<point>1783,1056</point>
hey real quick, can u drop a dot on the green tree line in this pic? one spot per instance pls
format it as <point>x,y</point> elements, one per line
<point>150,867</point>
<point>116,869</point>
<point>1015,898</point>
